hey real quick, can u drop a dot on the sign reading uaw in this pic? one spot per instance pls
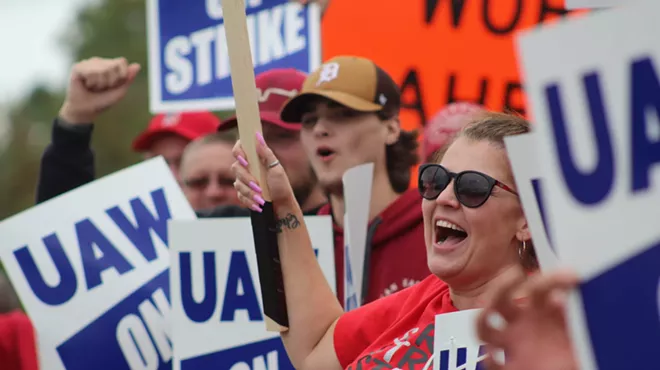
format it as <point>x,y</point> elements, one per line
<point>188,59</point>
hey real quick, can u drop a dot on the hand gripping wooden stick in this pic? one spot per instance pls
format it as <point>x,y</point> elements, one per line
<point>249,123</point>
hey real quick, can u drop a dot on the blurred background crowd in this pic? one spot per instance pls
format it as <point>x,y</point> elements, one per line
<point>47,38</point>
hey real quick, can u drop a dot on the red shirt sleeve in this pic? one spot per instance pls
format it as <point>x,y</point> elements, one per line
<point>18,349</point>
<point>356,330</point>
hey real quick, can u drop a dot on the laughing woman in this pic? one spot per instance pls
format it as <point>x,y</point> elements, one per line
<point>476,240</point>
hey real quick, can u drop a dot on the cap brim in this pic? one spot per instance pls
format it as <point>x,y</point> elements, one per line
<point>145,139</point>
<point>295,107</point>
<point>267,117</point>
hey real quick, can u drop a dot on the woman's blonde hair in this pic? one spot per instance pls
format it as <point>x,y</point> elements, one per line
<point>493,127</point>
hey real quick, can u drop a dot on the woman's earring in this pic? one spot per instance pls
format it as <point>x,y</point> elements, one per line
<point>522,249</point>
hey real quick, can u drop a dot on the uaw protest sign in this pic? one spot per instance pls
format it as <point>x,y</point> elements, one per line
<point>594,85</point>
<point>217,310</point>
<point>188,59</point>
<point>456,343</point>
<point>91,269</point>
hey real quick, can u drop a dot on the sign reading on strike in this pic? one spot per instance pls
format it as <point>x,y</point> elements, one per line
<point>90,268</point>
<point>217,311</point>
<point>595,92</point>
<point>188,59</point>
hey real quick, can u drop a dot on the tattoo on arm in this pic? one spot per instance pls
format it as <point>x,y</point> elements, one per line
<point>290,221</point>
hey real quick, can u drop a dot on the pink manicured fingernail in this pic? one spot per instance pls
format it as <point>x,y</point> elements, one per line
<point>257,198</point>
<point>260,137</point>
<point>255,187</point>
<point>242,161</point>
<point>256,208</point>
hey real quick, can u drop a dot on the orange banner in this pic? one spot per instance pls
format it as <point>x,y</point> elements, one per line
<point>439,51</point>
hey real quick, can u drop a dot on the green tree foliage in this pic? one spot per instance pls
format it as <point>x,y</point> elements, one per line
<point>106,28</point>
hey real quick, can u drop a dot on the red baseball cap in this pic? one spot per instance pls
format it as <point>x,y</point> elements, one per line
<point>445,124</point>
<point>189,125</point>
<point>274,87</point>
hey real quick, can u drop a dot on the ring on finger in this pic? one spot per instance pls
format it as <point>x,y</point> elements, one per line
<point>273,164</point>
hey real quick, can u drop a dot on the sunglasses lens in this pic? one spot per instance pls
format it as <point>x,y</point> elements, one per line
<point>472,189</point>
<point>432,181</point>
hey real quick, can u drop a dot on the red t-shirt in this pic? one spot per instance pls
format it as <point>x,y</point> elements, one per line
<point>393,332</point>
<point>18,350</point>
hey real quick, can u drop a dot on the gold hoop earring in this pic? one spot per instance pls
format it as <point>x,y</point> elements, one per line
<point>522,249</point>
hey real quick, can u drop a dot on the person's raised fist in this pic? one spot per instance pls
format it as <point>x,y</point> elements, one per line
<point>95,85</point>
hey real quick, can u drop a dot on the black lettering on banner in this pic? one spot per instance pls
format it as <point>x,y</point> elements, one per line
<point>358,364</point>
<point>366,361</point>
<point>431,6</point>
<point>513,87</point>
<point>290,221</point>
<point>411,81</point>
<point>381,365</point>
<point>426,337</point>
<point>505,29</point>
<point>547,10</point>
<point>451,94</point>
<point>413,356</point>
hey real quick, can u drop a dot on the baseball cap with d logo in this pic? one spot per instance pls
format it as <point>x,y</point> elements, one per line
<point>355,82</point>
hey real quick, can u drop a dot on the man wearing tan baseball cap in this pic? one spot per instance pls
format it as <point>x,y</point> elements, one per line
<point>349,111</point>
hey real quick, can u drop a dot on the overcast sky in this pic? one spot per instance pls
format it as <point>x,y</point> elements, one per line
<point>30,31</point>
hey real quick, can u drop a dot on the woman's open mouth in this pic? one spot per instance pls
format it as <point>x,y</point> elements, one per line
<point>448,235</point>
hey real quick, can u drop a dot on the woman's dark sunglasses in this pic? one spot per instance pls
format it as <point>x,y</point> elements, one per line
<point>472,188</point>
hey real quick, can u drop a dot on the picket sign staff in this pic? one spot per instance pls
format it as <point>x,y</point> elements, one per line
<point>466,225</point>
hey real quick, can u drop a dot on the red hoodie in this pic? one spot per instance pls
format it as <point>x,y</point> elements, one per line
<point>18,350</point>
<point>395,254</point>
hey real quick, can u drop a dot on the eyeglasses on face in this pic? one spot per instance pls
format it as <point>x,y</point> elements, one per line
<point>202,182</point>
<point>472,188</point>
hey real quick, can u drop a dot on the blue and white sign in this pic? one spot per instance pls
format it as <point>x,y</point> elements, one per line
<point>595,93</point>
<point>456,345</point>
<point>188,59</point>
<point>217,310</point>
<point>90,267</point>
<point>526,170</point>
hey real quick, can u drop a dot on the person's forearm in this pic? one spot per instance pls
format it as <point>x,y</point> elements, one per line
<point>67,162</point>
<point>312,306</point>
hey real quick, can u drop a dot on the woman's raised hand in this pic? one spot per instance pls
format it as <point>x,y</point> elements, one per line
<point>534,335</point>
<point>248,187</point>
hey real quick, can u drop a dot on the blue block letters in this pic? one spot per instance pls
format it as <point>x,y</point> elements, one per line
<point>587,187</point>
<point>592,187</point>
<point>461,358</point>
<point>140,234</point>
<point>97,252</point>
<point>239,272</point>
<point>645,96</point>
<point>198,311</point>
